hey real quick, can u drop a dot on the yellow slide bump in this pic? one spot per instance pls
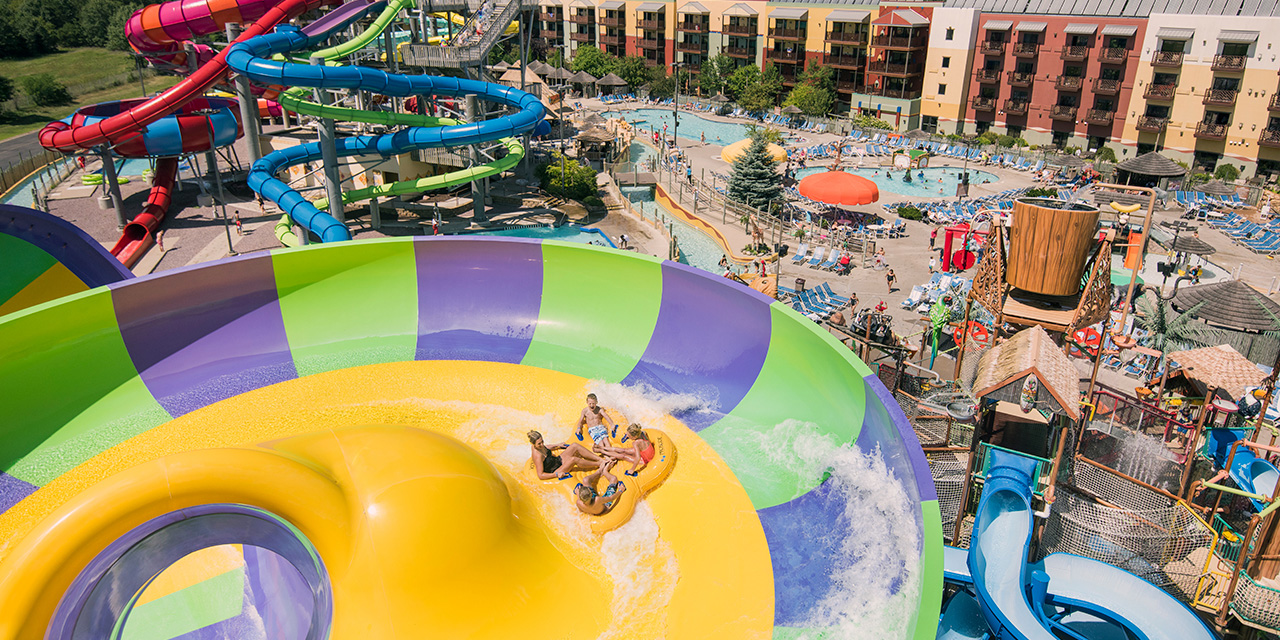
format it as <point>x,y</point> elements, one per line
<point>402,536</point>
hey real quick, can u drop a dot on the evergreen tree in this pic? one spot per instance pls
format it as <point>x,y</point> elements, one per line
<point>755,179</point>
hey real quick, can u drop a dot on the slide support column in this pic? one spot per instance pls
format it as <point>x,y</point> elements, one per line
<point>248,106</point>
<point>113,185</point>
<point>479,188</point>
<point>329,154</point>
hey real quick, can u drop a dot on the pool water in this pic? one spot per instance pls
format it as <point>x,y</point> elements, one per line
<point>929,187</point>
<point>568,233</point>
<point>696,248</point>
<point>691,126</point>
<point>642,153</point>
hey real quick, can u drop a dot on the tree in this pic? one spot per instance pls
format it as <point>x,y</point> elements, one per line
<point>662,85</point>
<point>594,61</point>
<point>634,71</point>
<point>771,81</point>
<point>45,90</point>
<point>94,21</point>
<point>715,74</point>
<point>819,76</point>
<point>577,182</point>
<point>115,37</point>
<point>556,58</point>
<point>768,134</point>
<point>6,89</point>
<point>1105,154</point>
<point>1168,331</point>
<point>1226,172</point>
<point>812,100</point>
<point>755,179</point>
<point>743,78</point>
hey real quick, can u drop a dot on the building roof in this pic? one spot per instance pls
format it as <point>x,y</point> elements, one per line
<point>789,13</point>
<point>1119,30</point>
<point>1079,29</point>
<point>999,25</point>
<point>1031,27</point>
<point>1172,33</point>
<point>613,5</point>
<point>652,7</point>
<point>1152,164</point>
<point>1228,35</point>
<point>901,18</point>
<point>1030,352</point>
<point>741,9</point>
<point>692,7</point>
<point>1219,367</point>
<point>848,15</point>
<point>1122,8</point>
<point>1231,304</point>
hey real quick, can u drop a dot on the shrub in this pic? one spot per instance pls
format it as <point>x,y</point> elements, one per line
<point>870,122</point>
<point>987,138</point>
<point>578,181</point>
<point>910,213</point>
<point>45,90</point>
<point>1042,192</point>
<point>1105,154</point>
<point>1226,172</point>
<point>593,201</point>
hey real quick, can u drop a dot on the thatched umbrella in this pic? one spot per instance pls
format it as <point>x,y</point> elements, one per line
<point>1216,188</point>
<point>582,77</point>
<point>1193,245</point>
<point>1066,162</point>
<point>560,73</point>
<point>611,80</point>
<point>596,135</point>
<point>501,66</point>
<point>1219,367</point>
<point>792,110</point>
<point>720,97</point>
<point>1231,304</point>
<point>1146,167</point>
<point>595,120</point>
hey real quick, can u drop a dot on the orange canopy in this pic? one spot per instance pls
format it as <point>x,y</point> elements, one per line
<point>838,187</point>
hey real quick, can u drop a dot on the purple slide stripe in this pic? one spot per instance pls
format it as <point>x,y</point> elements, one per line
<point>475,303</point>
<point>885,425</point>
<point>710,340</point>
<point>223,337</point>
<point>13,490</point>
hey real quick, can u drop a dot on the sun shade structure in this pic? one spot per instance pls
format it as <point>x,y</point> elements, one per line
<point>1216,188</point>
<point>582,77</point>
<point>611,80</point>
<point>731,153</point>
<point>1219,367</point>
<point>1231,304</point>
<point>1003,370</point>
<point>838,187</point>
<point>1152,164</point>
<point>792,109</point>
<point>1193,245</point>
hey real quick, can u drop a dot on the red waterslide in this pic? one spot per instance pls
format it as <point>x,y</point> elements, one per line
<point>59,136</point>
<point>139,235</point>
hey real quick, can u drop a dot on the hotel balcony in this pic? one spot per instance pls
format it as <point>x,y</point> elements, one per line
<point>984,104</point>
<point>1106,86</point>
<point>651,24</point>
<point>1063,112</point>
<point>740,52</point>
<point>692,47</point>
<point>613,22</point>
<point>1016,107</point>
<point>1152,124</point>
<point>1026,49</point>
<point>693,27</point>
<point>900,42</point>
<point>844,62</point>
<point>1211,131</point>
<point>581,37</point>
<point>618,40</point>
<point>987,76</point>
<point>897,68</point>
<point>789,34</point>
<point>1229,63</point>
<point>1220,97</point>
<point>909,92</point>
<point>1159,91</point>
<point>1171,59</point>
<point>1113,55</point>
<point>1069,83</point>
<point>554,40</point>
<point>581,19</point>
<point>1021,78</point>
<point>846,86</point>
<point>1078,53</point>
<point>1274,103</point>
<point>1269,138</point>
<point>1100,117</point>
<point>991,48</point>
<point>857,38</point>
<point>794,56</point>
<point>651,43</point>
<point>739,29</point>
<point>547,16</point>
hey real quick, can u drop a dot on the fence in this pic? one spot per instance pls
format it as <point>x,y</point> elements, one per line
<point>54,167</point>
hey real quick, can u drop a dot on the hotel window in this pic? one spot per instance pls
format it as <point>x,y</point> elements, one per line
<point>942,89</point>
<point>946,61</point>
<point>951,33</point>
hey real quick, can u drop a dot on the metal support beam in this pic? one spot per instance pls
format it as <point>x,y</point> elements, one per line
<point>479,188</point>
<point>248,106</point>
<point>113,185</point>
<point>329,154</point>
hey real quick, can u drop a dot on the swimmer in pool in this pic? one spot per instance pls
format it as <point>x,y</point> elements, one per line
<point>639,454</point>
<point>593,503</point>
<point>550,466</point>
<point>593,417</point>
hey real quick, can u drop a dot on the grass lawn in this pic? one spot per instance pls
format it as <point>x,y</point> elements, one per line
<point>71,67</point>
<point>13,124</point>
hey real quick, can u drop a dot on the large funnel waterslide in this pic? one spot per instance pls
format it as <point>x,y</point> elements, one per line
<point>1064,595</point>
<point>358,411</point>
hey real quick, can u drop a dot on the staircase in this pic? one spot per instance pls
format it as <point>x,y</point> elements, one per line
<point>469,51</point>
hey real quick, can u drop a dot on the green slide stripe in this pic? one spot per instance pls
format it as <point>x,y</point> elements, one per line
<point>199,605</point>
<point>325,295</point>
<point>627,295</point>
<point>931,568</point>
<point>806,378</point>
<point>87,396</point>
<point>23,262</point>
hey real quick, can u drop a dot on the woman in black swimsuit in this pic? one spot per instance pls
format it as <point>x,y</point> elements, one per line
<point>549,466</point>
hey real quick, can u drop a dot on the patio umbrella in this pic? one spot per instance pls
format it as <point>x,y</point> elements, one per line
<point>1216,188</point>
<point>611,80</point>
<point>1193,245</point>
<point>731,152</point>
<point>792,110</point>
<point>1231,304</point>
<point>839,188</point>
<point>719,97</point>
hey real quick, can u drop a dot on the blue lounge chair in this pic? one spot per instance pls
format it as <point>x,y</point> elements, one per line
<point>817,256</point>
<point>800,253</point>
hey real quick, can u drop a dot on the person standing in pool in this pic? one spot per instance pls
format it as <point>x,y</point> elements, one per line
<point>550,466</point>
<point>594,503</point>
<point>593,417</point>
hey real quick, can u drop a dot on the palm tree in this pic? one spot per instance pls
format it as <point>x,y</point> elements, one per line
<point>1167,330</point>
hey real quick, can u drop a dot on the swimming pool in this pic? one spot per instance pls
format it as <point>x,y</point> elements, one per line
<point>568,233</point>
<point>691,126</point>
<point>696,248</point>
<point>929,187</point>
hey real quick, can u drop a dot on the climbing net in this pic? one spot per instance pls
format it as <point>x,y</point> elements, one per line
<point>1117,490</point>
<point>1165,546</point>
<point>948,479</point>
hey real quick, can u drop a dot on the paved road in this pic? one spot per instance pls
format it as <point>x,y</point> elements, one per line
<point>22,146</point>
